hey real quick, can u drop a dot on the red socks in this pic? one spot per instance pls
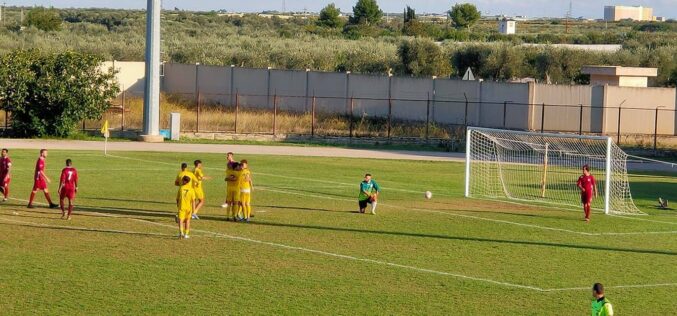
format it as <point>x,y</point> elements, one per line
<point>30,201</point>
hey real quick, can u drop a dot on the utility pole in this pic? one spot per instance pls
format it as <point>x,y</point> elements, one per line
<point>568,17</point>
<point>151,98</point>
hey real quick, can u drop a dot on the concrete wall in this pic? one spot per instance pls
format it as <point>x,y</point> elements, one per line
<point>494,94</point>
<point>295,89</point>
<point>449,101</point>
<point>638,109</point>
<point>130,75</point>
<point>562,112</point>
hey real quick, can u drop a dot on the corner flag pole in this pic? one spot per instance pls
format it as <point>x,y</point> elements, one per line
<point>106,134</point>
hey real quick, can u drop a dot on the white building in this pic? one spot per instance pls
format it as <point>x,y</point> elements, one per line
<point>507,26</point>
<point>619,12</point>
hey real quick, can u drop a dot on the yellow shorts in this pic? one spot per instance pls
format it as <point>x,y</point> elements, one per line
<point>199,194</point>
<point>185,214</point>
<point>245,198</point>
<point>233,194</point>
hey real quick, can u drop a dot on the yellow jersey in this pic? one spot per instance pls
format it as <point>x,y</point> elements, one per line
<point>183,173</point>
<point>199,175</point>
<point>185,198</point>
<point>245,177</point>
<point>233,184</point>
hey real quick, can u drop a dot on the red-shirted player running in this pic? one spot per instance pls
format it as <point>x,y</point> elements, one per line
<point>40,180</point>
<point>68,187</point>
<point>5,178</point>
<point>586,183</point>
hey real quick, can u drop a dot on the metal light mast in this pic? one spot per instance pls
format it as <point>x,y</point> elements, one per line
<point>151,99</point>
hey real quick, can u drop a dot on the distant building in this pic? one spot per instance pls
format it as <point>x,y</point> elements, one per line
<point>619,76</point>
<point>636,13</point>
<point>661,19</point>
<point>507,26</point>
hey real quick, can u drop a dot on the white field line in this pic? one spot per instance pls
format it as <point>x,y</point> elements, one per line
<point>347,184</point>
<point>281,176</point>
<point>470,216</point>
<point>348,257</point>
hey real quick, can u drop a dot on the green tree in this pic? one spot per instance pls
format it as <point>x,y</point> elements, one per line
<point>366,12</point>
<point>409,14</point>
<point>464,15</point>
<point>44,19</point>
<point>422,57</point>
<point>330,16</point>
<point>50,94</point>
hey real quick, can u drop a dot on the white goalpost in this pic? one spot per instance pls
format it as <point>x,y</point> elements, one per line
<point>544,168</point>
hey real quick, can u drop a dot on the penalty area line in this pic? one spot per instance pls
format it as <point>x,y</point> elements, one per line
<point>212,234</point>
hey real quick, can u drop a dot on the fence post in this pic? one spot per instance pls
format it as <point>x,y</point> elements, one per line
<point>84,127</point>
<point>197,112</point>
<point>6,120</point>
<point>580,119</point>
<point>543,118</point>
<point>122,119</point>
<point>237,107</point>
<point>390,115</point>
<point>351,118</point>
<point>427,119</point>
<point>275,114</point>
<point>312,118</point>
<point>618,132</point>
<point>655,131</point>
<point>465,119</point>
<point>505,110</point>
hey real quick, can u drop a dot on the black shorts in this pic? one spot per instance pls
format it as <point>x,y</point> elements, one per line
<point>363,204</point>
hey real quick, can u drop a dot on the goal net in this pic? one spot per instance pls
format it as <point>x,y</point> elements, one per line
<point>544,168</point>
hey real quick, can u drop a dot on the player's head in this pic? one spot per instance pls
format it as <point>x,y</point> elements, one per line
<point>244,163</point>
<point>197,163</point>
<point>4,152</point>
<point>184,166</point>
<point>185,180</point>
<point>367,177</point>
<point>69,162</point>
<point>598,290</point>
<point>236,166</point>
<point>229,156</point>
<point>43,152</point>
<point>586,169</point>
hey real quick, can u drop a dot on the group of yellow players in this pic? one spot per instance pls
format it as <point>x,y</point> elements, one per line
<point>190,197</point>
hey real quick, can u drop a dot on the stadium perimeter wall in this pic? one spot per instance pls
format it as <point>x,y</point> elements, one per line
<point>590,109</point>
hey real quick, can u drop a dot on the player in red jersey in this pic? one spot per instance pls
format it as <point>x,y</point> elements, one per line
<point>68,187</point>
<point>586,183</point>
<point>40,180</point>
<point>5,178</point>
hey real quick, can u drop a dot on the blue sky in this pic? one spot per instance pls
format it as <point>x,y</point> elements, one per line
<point>551,8</point>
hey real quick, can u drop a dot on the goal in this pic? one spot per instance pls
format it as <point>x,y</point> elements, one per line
<point>544,168</point>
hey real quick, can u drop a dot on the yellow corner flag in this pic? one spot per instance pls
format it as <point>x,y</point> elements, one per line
<point>104,129</point>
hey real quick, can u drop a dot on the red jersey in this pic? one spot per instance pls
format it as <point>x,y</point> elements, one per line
<point>39,166</point>
<point>69,178</point>
<point>587,182</point>
<point>5,163</point>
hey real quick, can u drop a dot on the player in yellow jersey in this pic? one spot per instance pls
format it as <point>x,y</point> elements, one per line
<point>185,172</point>
<point>246,188</point>
<point>233,191</point>
<point>199,191</point>
<point>185,203</point>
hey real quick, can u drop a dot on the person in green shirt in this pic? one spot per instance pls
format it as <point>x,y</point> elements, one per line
<point>600,305</point>
<point>369,191</point>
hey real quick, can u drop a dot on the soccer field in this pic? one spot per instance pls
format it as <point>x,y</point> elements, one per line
<point>307,251</point>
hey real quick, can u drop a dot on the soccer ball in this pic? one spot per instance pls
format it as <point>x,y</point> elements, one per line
<point>428,195</point>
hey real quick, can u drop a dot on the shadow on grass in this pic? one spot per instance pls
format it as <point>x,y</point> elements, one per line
<point>477,239</point>
<point>296,208</point>
<point>91,230</point>
<point>127,200</point>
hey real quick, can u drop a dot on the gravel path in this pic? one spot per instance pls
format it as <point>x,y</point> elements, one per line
<point>240,149</point>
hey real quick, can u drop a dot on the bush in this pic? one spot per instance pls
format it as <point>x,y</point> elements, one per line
<point>49,94</point>
<point>44,19</point>
<point>422,57</point>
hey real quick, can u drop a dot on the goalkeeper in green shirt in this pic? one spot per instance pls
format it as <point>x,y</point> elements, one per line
<point>369,191</point>
<point>600,305</point>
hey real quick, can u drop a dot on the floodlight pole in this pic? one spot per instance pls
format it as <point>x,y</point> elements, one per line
<point>151,99</point>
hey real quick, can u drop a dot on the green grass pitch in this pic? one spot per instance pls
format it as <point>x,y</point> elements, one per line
<point>308,252</point>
